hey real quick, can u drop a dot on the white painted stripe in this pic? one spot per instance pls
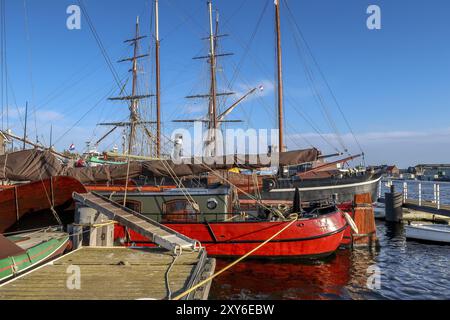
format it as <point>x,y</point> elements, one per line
<point>328,187</point>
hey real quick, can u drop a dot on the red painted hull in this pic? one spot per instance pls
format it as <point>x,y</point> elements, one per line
<point>305,238</point>
<point>18,201</point>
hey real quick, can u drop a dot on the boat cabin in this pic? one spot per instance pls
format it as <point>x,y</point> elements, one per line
<point>188,205</point>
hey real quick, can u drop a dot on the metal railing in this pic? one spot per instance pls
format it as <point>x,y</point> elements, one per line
<point>436,196</point>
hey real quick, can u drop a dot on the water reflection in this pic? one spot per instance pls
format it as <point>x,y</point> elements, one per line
<point>326,279</point>
<point>409,270</point>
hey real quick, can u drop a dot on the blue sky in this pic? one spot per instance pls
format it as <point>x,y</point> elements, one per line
<point>392,84</point>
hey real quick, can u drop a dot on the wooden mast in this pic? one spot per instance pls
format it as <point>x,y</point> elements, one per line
<point>158,82</point>
<point>134,102</point>
<point>134,98</point>
<point>212,125</point>
<point>280,77</point>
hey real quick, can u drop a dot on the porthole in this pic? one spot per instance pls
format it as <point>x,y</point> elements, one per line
<point>212,204</point>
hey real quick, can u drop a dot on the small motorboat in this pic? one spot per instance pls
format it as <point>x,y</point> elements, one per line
<point>429,232</point>
<point>22,252</point>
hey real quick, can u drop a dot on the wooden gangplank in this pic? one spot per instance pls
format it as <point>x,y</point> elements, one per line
<point>156,232</point>
<point>118,273</point>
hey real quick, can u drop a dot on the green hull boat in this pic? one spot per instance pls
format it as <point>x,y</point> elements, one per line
<point>22,252</point>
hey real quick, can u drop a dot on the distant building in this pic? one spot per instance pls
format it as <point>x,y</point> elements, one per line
<point>393,171</point>
<point>433,171</point>
<point>407,176</point>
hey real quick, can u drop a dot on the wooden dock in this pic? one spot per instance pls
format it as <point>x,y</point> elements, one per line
<point>427,206</point>
<point>427,211</point>
<point>114,274</point>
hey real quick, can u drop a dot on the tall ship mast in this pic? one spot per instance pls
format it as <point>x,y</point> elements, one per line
<point>281,145</point>
<point>157,82</point>
<point>214,117</point>
<point>135,119</point>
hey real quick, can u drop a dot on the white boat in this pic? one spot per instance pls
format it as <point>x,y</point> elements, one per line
<point>429,232</point>
<point>379,210</point>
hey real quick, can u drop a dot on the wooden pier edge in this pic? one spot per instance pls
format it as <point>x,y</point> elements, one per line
<point>202,271</point>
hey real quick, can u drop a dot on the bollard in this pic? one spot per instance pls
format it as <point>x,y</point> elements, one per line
<point>394,206</point>
<point>85,234</point>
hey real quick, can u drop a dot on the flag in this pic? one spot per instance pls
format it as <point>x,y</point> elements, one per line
<point>72,147</point>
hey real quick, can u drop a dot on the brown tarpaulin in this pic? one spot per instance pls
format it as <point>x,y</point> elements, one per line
<point>8,248</point>
<point>29,165</point>
<point>33,165</point>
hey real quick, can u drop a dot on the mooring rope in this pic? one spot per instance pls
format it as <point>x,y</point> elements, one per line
<point>175,257</point>
<point>294,218</point>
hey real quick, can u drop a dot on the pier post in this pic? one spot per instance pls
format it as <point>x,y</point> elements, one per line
<point>394,205</point>
<point>435,193</point>
<point>405,191</point>
<point>379,190</point>
<point>364,218</point>
<point>438,197</point>
<point>84,231</point>
<point>420,194</point>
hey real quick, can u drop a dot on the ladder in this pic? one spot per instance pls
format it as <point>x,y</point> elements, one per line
<point>159,234</point>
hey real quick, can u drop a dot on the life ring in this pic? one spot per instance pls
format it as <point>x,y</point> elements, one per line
<point>351,223</point>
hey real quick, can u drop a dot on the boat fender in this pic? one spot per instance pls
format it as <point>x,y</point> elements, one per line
<point>351,223</point>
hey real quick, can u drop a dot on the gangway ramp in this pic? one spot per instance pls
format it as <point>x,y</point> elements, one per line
<point>159,234</point>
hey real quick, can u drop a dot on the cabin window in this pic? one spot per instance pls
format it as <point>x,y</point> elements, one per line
<point>179,211</point>
<point>133,205</point>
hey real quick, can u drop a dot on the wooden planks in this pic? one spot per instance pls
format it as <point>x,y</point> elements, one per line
<point>109,273</point>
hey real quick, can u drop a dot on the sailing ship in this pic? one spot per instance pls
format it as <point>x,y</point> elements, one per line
<point>321,223</point>
<point>319,231</point>
<point>315,179</point>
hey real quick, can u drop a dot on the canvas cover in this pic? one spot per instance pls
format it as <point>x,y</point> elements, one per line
<point>34,165</point>
<point>9,249</point>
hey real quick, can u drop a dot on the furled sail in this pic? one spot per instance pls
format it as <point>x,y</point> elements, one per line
<point>34,165</point>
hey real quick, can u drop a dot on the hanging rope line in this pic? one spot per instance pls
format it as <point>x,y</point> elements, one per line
<point>317,95</point>
<point>263,68</point>
<point>30,67</point>
<point>4,68</point>
<point>100,45</point>
<point>299,31</point>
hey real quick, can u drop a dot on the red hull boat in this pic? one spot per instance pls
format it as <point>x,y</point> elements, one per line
<point>18,201</point>
<point>306,238</point>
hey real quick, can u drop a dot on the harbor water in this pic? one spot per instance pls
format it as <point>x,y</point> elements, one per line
<point>406,269</point>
